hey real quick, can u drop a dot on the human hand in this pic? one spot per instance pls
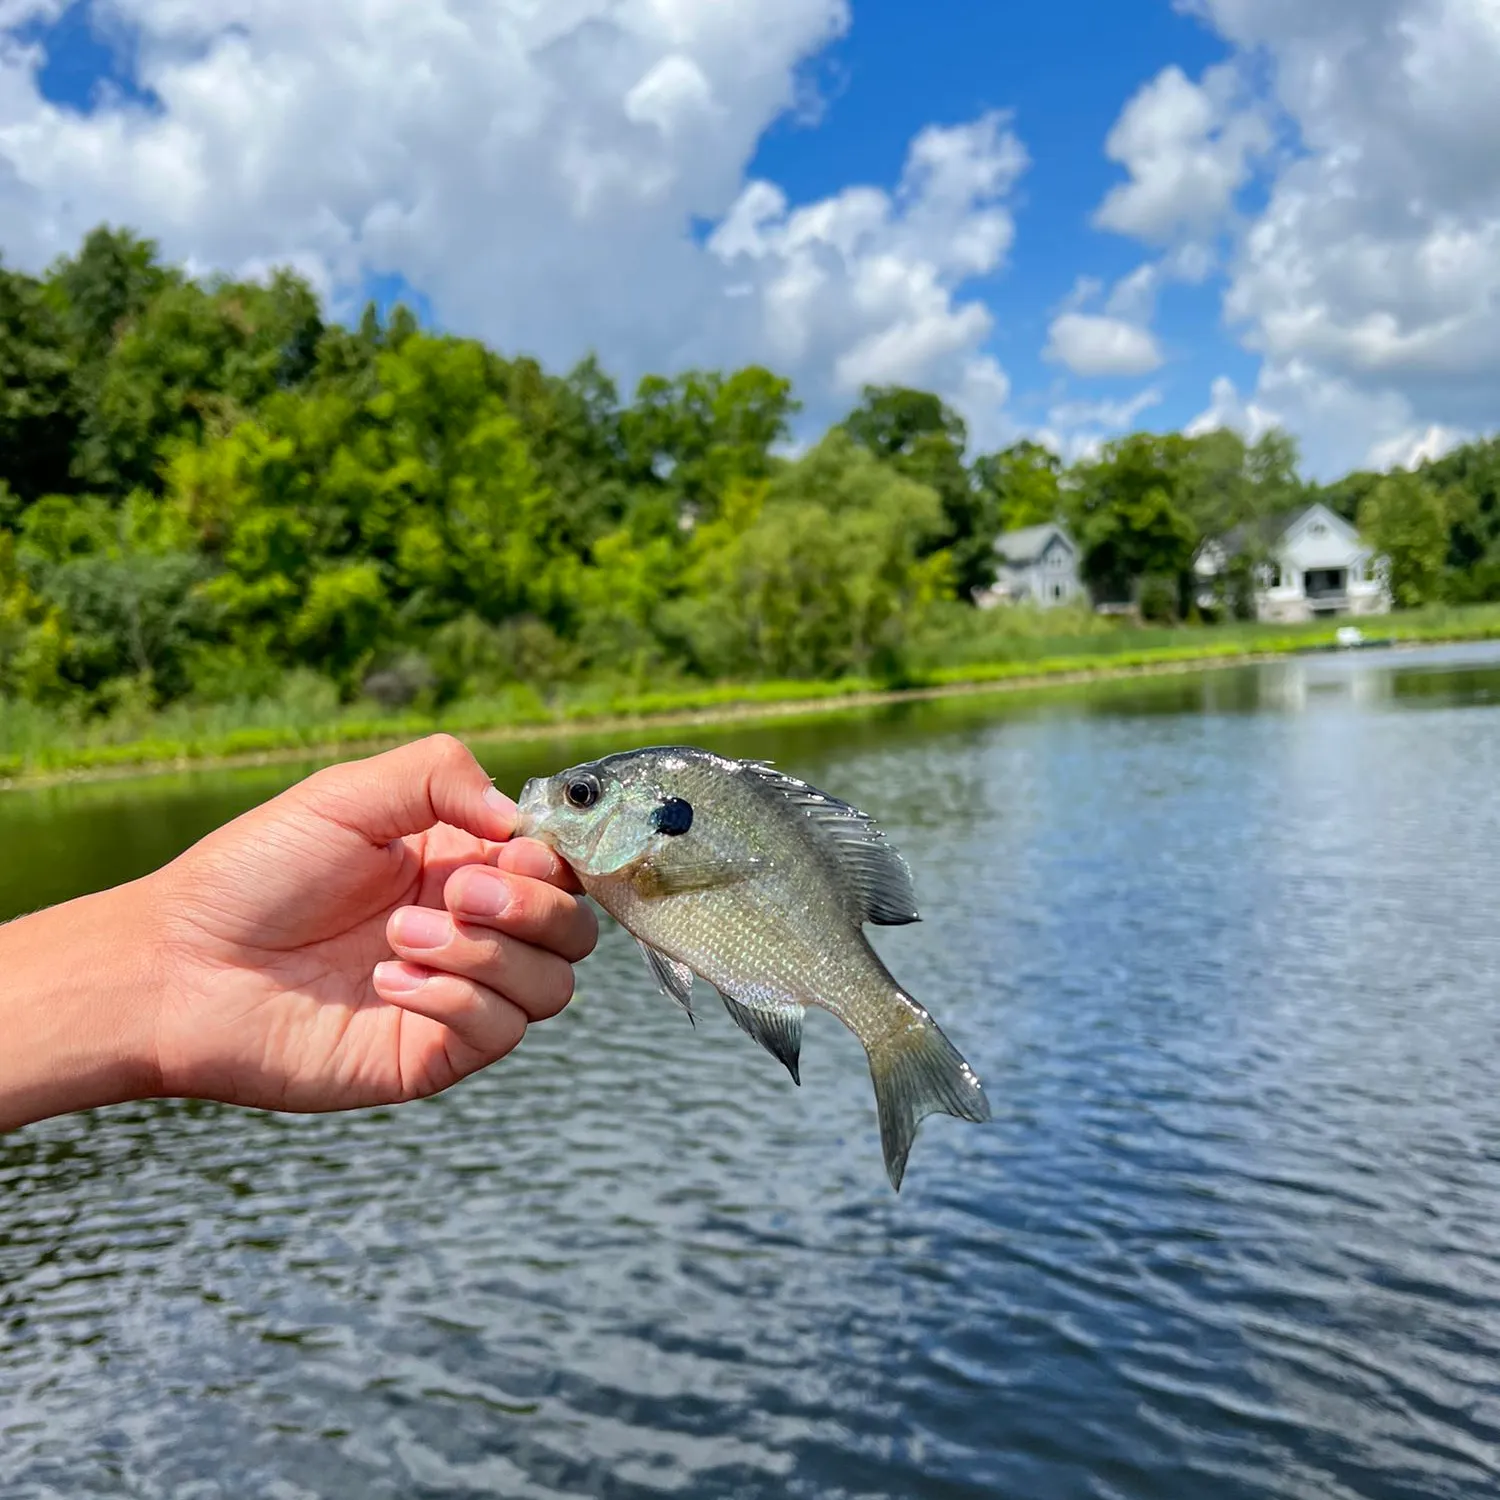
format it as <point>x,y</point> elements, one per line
<point>273,939</point>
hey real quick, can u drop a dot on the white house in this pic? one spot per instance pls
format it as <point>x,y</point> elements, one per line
<point>1310,565</point>
<point>1037,565</point>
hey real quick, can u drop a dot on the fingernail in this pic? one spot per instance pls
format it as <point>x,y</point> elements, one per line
<point>527,857</point>
<point>421,927</point>
<point>498,802</point>
<point>398,979</point>
<point>485,895</point>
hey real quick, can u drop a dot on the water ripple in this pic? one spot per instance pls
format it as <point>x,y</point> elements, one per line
<point>1225,957</point>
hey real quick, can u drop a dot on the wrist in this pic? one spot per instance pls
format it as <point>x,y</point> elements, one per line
<point>78,998</point>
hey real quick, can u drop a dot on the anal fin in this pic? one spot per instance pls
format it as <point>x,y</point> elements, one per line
<point>778,1029</point>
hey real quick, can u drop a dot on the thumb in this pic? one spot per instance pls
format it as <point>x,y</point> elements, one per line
<point>405,791</point>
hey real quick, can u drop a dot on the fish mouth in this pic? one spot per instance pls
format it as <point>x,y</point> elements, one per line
<point>531,808</point>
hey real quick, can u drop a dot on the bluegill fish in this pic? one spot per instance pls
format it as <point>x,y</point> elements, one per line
<point>760,885</point>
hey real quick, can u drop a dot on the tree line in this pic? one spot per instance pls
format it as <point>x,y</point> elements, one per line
<point>206,485</point>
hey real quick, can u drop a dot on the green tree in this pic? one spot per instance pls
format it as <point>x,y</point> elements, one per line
<point>124,599</point>
<point>100,291</point>
<point>694,434</point>
<point>1406,518</point>
<point>923,438</point>
<point>1023,484</point>
<point>1127,511</point>
<point>829,567</point>
<point>192,364</point>
<point>38,408</point>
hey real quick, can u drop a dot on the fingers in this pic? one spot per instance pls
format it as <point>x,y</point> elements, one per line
<point>405,791</point>
<point>485,1022</point>
<point>539,982</point>
<point>528,857</point>
<point>529,909</point>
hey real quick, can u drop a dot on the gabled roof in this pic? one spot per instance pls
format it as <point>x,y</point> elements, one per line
<point>1026,545</point>
<point>1266,531</point>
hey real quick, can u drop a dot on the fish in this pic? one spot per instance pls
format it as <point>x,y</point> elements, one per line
<point>733,872</point>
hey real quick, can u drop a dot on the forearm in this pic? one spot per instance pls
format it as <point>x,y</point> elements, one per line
<point>75,1002</point>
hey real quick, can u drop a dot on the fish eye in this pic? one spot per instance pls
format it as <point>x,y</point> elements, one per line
<point>582,792</point>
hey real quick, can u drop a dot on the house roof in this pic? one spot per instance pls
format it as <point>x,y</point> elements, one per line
<point>1266,531</point>
<point>1028,544</point>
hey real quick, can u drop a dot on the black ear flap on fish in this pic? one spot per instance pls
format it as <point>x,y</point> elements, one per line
<point>673,818</point>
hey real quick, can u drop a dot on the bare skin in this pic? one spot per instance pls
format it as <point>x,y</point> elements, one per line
<point>370,936</point>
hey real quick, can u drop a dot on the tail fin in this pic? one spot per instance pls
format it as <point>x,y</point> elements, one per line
<point>918,1072</point>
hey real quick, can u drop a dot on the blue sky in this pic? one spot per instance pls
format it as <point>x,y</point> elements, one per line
<point>630,179</point>
<point>1064,71</point>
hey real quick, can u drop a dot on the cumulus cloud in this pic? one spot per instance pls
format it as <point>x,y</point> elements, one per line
<point>1369,277</point>
<point>1188,148</point>
<point>1077,430</point>
<point>1408,449</point>
<point>534,170</point>
<point>1093,344</point>
<point>875,276</point>
<point>1340,424</point>
<point>1116,341</point>
<point>1227,408</point>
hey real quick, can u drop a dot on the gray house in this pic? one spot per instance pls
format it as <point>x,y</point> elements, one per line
<point>1309,565</point>
<point>1038,565</point>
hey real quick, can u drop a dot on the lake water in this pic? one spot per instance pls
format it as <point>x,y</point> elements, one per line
<point>1225,952</point>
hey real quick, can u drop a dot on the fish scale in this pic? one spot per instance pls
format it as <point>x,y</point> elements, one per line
<point>760,885</point>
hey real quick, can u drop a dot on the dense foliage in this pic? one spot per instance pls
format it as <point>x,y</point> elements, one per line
<point>210,494</point>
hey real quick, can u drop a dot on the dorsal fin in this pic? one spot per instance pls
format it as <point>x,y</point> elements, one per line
<point>878,875</point>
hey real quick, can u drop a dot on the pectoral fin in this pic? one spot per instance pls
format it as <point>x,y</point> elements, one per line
<point>677,877</point>
<point>672,978</point>
<point>778,1029</point>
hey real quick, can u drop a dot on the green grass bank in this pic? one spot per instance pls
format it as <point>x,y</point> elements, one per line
<point>39,745</point>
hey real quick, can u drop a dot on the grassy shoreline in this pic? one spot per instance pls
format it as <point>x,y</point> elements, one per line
<point>622,712</point>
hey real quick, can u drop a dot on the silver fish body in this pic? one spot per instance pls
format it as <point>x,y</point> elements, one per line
<point>760,885</point>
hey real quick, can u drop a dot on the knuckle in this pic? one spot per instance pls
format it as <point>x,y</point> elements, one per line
<point>468,1001</point>
<point>491,951</point>
<point>559,984</point>
<point>585,932</point>
<point>446,748</point>
<point>525,911</point>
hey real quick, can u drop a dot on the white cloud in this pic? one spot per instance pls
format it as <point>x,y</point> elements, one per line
<point>1227,408</point>
<point>1093,344</point>
<point>534,170</point>
<point>1078,430</point>
<point>1339,423</point>
<point>1369,280</point>
<point>1408,449</point>
<point>1188,148</point>
<point>868,282</point>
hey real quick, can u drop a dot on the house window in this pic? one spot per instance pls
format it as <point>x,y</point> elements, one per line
<point>1273,576</point>
<point>1057,591</point>
<point>1317,529</point>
